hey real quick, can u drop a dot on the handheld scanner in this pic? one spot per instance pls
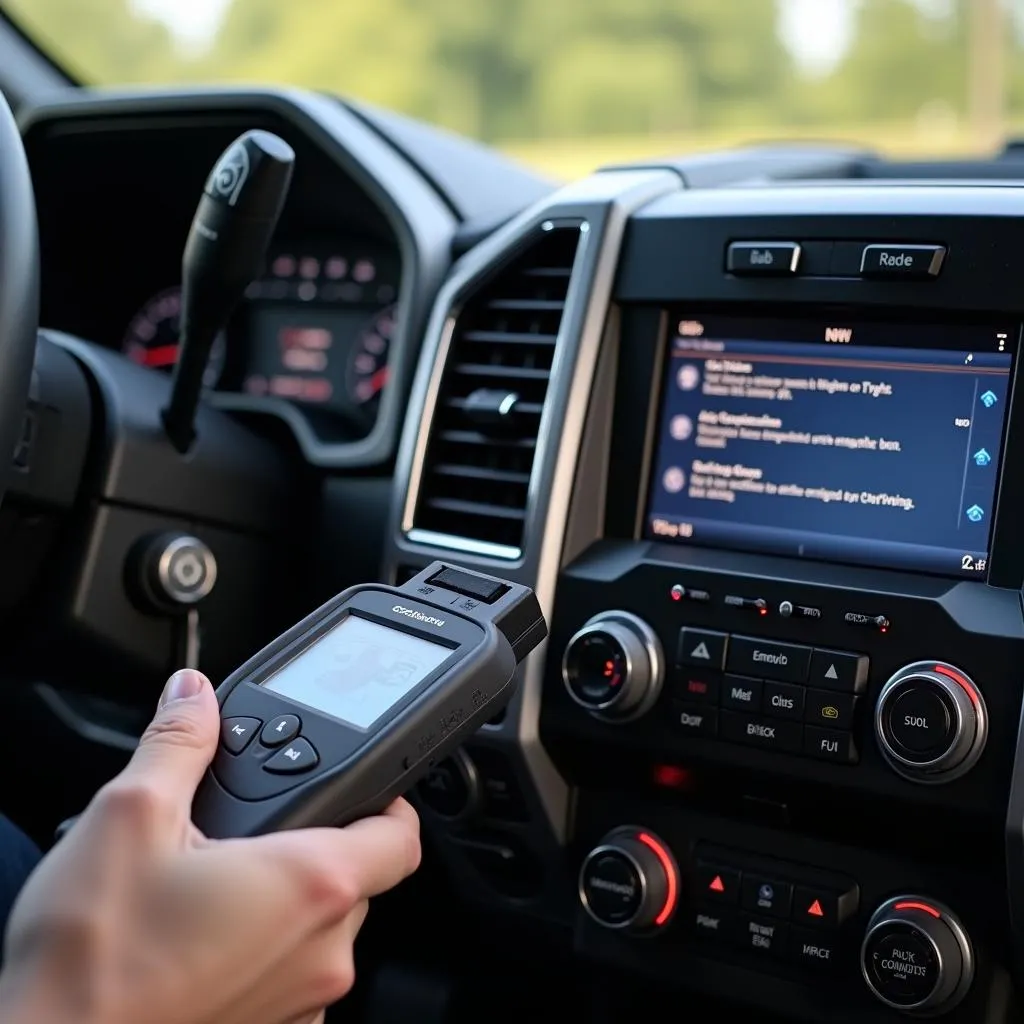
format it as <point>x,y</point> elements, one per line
<point>354,704</point>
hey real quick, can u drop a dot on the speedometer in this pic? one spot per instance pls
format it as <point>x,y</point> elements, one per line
<point>367,371</point>
<point>152,338</point>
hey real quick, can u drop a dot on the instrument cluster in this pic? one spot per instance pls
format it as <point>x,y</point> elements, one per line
<point>314,329</point>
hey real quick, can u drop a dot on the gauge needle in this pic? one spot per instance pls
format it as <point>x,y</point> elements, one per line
<point>162,355</point>
<point>378,380</point>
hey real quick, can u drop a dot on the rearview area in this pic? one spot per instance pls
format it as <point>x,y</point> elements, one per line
<point>871,443</point>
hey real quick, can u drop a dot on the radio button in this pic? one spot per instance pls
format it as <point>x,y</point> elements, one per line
<point>298,756</point>
<point>839,670</point>
<point>749,656</point>
<point>783,700</point>
<point>766,896</point>
<point>831,709</point>
<point>742,694</point>
<point>830,745</point>
<point>699,687</point>
<point>768,734</point>
<point>909,262</point>
<point>697,720</point>
<point>702,648</point>
<point>762,258</point>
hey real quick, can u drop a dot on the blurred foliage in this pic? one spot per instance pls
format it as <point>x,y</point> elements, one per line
<point>504,70</point>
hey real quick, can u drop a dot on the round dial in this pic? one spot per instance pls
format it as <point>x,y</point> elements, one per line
<point>916,956</point>
<point>630,881</point>
<point>367,370</point>
<point>931,722</point>
<point>153,337</point>
<point>614,666</point>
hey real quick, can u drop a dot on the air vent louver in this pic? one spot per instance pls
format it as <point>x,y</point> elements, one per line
<point>484,434</point>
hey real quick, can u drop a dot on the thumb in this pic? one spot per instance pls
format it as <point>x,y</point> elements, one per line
<point>179,744</point>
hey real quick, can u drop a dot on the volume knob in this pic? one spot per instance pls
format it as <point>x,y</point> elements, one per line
<point>916,956</point>
<point>630,881</point>
<point>931,722</point>
<point>614,666</point>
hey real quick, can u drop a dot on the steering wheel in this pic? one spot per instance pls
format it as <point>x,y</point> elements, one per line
<point>19,286</point>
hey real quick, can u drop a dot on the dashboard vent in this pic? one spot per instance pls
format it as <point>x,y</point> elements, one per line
<point>483,438</point>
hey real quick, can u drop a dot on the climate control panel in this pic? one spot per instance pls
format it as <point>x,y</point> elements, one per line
<point>911,952</point>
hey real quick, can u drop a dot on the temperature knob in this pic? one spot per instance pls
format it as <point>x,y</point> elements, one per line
<point>931,722</point>
<point>916,956</point>
<point>630,881</point>
<point>614,666</point>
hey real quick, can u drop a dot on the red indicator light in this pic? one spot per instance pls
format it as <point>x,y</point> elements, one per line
<point>609,669</point>
<point>915,905</point>
<point>944,670</point>
<point>672,893</point>
<point>814,910</point>
<point>677,593</point>
<point>671,776</point>
<point>763,611</point>
<point>717,885</point>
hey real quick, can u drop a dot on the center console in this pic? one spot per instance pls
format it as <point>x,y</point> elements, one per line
<point>769,752</point>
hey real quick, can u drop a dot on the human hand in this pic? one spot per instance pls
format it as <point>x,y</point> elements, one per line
<point>136,916</point>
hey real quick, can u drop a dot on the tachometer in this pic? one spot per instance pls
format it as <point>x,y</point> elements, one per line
<point>368,362</point>
<point>152,338</point>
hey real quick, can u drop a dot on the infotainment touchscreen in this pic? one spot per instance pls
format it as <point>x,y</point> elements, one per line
<point>849,441</point>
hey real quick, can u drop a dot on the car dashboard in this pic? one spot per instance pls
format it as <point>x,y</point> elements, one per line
<point>747,425</point>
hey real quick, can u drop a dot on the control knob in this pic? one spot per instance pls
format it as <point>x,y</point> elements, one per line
<point>931,722</point>
<point>916,956</point>
<point>614,666</point>
<point>630,881</point>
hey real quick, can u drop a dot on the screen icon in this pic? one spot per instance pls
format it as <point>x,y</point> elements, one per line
<point>681,428</point>
<point>975,513</point>
<point>688,377</point>
<point>981,457</point>
<point>674,480</point>
<point>989,398</point>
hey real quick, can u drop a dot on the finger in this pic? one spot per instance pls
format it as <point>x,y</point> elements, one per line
<point>404,811</point>
<point>179,744</point>
<point>362,860</point>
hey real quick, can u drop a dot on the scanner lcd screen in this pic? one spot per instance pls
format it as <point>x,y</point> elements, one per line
<point>357,671</point>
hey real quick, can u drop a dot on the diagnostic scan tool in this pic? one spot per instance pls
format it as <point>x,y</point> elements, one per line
<point>353,705</point>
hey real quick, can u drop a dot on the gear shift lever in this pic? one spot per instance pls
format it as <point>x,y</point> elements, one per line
<point>237,214</point>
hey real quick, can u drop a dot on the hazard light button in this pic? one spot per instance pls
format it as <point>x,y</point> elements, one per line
<point>818,907</point>
<point>718,884</point>
<point>839,670</point>
<point>701,648</point>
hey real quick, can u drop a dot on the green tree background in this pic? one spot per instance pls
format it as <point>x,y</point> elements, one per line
<point>576,70</point>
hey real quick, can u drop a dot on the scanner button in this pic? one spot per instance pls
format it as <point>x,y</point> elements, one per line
<point>236,733</point>
<point>280,730</point>
<point>298,756</point>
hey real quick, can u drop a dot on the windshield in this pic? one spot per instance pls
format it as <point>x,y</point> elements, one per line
<point>567,85</point>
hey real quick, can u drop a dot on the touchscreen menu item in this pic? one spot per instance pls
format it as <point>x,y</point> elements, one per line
<point>871,443</point>
<point>357,671</point>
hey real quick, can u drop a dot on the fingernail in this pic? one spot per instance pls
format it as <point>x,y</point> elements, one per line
<point>182,685</point>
